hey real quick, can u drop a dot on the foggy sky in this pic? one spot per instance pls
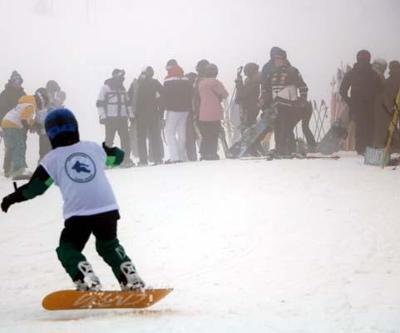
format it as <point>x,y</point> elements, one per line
<point>78,42</point>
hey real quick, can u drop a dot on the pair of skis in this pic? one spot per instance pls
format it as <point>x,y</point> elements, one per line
<point>291,157</point>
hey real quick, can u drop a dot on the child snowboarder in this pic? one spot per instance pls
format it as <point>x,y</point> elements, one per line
<point>77,167</point>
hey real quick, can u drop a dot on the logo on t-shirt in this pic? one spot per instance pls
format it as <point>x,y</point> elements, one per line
<point>80,168</point>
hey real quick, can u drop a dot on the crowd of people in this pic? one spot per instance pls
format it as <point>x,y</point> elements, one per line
<point>175,113</point>
<point>179,119</point>
<point>368,96</point>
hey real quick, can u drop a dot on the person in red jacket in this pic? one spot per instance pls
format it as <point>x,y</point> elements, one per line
<point>177,102</point>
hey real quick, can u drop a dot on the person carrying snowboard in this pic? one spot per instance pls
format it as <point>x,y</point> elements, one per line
<point>77,168</point>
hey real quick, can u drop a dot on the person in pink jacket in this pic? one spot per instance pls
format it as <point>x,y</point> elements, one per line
<point>211,92</point>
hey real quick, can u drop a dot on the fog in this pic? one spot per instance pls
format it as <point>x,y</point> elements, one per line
<point>78,43</point>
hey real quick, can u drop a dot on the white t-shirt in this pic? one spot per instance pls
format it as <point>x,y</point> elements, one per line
<point>78,170</point>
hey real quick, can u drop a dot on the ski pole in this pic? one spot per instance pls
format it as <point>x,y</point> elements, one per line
<point>322,120</point>
<point>315,120</point>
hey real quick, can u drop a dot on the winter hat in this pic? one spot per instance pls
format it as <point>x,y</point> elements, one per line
<point>191,76</point>
<point>149,72</point>
<point>61,128</point>
<point>364,56</point>
<point>277,52</point>
<point>251,68</point>
<point>380,65</point>
<point>52,86</point>
<point>16,78</point>
<point>118,73</point>
<point>171,63</point>
<point>59,98</point>
<point>211,71</point>
<point>201,66</point>
<point>394,67</point>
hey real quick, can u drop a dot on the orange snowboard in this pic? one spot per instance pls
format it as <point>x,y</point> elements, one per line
<point>77,300</point>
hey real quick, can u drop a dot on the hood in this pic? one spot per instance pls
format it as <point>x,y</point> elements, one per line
<point>175,71</point>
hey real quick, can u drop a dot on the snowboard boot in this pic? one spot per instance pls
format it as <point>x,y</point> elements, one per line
<point>130,280</point>
<point>87,280</point>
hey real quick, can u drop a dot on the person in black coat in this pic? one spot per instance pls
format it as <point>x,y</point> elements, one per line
<point>9,97</point>
<point>365,86</point>
<point>248,94</point>
<point>148,116</point>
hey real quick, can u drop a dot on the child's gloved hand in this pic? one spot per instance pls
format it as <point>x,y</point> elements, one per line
<point>11,198</point>
<point>7,202</point>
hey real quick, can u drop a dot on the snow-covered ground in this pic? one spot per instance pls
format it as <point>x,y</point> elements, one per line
<point>249,246</point>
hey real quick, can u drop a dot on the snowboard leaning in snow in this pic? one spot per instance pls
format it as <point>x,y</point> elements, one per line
<point>112,299</point>
<point>331,141</point>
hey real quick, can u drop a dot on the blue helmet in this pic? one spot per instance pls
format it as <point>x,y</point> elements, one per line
<point>61,127</point>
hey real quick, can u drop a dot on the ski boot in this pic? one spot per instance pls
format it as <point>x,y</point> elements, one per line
<point>130,280</point>
<point>88,280</point>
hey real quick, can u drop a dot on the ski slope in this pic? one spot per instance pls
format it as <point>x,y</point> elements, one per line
<point>304,246</point>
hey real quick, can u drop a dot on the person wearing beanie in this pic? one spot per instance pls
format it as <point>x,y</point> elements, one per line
<point>384,114</point>
<point>177,103</point>
<point>365,85</point>
<point>77,168</point>
<point>9,97</point>
<point>115,112</point>
<point>212,92</point>
<point>283,93</point>
<point>275,52</point>
<point>145,95</point>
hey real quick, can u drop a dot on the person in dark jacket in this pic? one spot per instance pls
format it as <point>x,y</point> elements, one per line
<point>8,100</point>
<point>148,116</point>
<point>177,103</point>
<point>365,86</point>
<point>284,90</point>
<point>115,112</point>
<point>248,94</point>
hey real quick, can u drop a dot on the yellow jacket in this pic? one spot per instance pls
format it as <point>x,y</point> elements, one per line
<point>24,111</point>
